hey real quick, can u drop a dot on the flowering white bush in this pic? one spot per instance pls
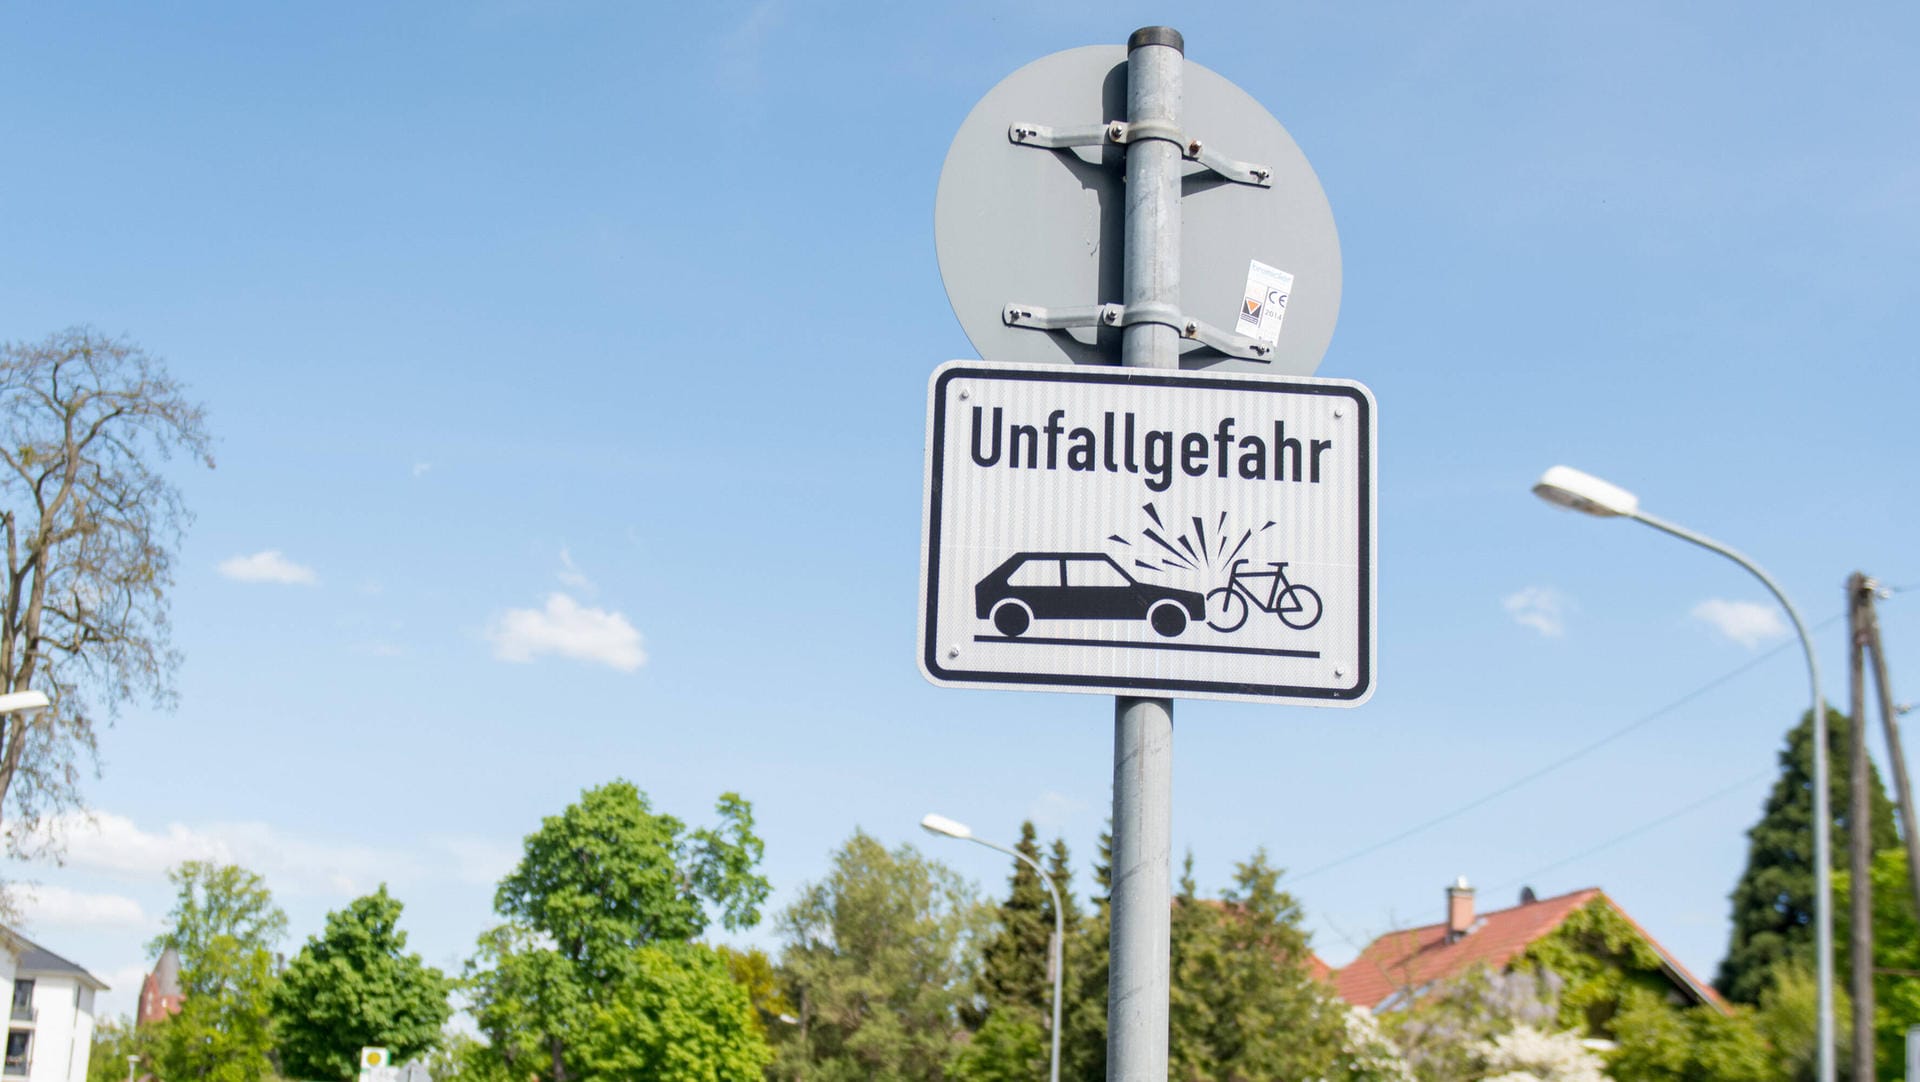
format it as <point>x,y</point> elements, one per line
<point>1367,1055</point>
<point>1528,1055</point>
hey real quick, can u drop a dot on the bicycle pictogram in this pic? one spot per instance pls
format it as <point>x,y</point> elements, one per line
<point>1297,605</point>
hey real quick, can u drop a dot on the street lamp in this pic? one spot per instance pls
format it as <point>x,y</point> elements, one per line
<point>1569,488</point>
<point>13,702</point>
<point>940,824</point>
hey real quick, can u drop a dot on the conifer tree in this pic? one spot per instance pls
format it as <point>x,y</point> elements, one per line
<point>1010,1038</point>
<point>1014,962</point>
<point>1083,1038</point>
<point>1245,1003</point>
<point>1773,903</point>
<point>1060,870</point>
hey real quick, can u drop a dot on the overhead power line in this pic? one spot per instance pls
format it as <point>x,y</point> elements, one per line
<point>1570,757</point>
<point>1639,830</point>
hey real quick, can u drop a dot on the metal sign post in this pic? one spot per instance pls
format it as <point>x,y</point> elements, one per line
<point>1139,977</point>
<point>1061,237</point>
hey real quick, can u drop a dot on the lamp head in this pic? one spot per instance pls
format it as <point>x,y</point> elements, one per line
<point>15,701</point>
<point>1569,488</point>
<point>940,824</point>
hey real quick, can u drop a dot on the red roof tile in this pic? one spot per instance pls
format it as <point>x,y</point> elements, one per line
<point>1418,956</point>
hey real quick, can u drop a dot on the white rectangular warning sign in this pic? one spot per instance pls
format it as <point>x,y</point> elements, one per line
<point>1149,532</point>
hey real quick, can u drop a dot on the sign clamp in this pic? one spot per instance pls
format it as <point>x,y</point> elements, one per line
<point>1121,132</point>
<point>1120,315</point>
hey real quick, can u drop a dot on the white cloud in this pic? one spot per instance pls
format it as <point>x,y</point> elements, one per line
<point>268,566</point>
<point>1541,608</point>
<point>480,861</point>
<point>571,575</point>
<point>569,629</point>
<point>1749,623</point>
<point>105,842</point>
<point>420,468</point>
<point>42,904</point>
<point>124,983</point>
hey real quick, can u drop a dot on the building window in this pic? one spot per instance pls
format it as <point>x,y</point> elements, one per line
<point>23,1000</point>
<point>18,1042</point>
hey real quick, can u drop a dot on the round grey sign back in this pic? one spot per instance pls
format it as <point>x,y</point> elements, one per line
<point>1024,225</point>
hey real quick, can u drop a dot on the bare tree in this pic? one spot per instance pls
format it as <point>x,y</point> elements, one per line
<point>91,525</point>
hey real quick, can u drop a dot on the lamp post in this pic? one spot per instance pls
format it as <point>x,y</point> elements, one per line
<point>940,824</point>
<point>1569,488</point>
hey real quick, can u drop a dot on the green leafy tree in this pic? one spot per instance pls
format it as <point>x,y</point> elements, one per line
<point>1010,1046</point>
<point>1245,1002</point>
<point>1896,956</point>
<point>1788,1019</point>
<point>1657,1042</point>
<point>1773,916</point>
<point>91,522</point>
<point>224,924</point>
<point>879,959</point>
<point>675,1014</point>
<point>596,884</point>
<point>755,972</point>
<point>354,985</point>
<point>458,1057</point>
<point>115,1039</point>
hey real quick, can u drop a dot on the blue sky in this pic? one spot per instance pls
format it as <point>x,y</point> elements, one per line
<point>573,360</point>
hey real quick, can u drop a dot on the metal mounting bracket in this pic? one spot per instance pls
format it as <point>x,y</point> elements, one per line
<point>1121,133</point>
<point>1119,315</point>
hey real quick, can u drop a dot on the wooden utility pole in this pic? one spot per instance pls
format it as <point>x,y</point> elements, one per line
<point>1903,791</point>
<point>1859,831</point>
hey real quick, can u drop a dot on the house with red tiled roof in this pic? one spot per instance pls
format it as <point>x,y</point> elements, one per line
<point>1398,966</point>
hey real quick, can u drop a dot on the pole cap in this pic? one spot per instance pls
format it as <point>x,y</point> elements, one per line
<point>1157,35</point>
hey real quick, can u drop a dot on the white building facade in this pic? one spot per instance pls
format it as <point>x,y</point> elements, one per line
<point>49,1013</point>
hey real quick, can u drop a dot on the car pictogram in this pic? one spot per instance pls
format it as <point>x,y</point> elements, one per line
<point>1033,586</point>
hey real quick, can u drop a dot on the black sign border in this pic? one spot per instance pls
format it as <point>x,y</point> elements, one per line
<point>1145,377</point>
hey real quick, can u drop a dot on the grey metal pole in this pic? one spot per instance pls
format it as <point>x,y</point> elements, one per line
<point>1822,814</point>
<point>1142,889</point>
